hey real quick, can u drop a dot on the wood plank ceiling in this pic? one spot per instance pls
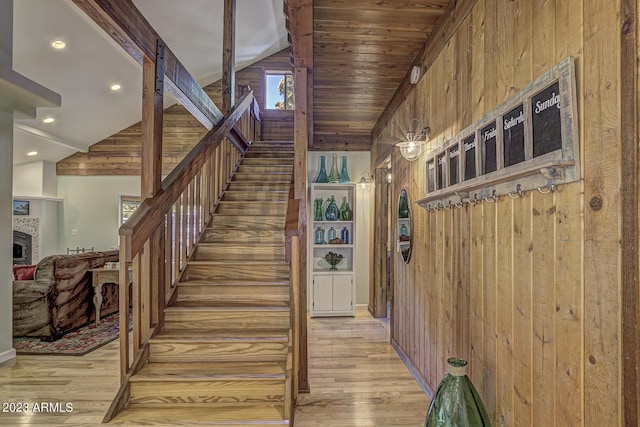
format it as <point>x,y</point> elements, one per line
<point>362,50</point>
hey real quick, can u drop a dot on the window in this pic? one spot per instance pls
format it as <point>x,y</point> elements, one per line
<point>279,90</point>
<point>128,205</point>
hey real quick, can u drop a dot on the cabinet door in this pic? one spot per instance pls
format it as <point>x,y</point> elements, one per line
<point>342,293</point>
<point>322,293</point>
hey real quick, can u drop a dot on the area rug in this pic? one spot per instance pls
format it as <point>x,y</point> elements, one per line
<point>74,343</point>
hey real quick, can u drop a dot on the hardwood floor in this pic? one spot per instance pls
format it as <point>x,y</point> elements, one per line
<point>356,377</point>
<point>356,380</point>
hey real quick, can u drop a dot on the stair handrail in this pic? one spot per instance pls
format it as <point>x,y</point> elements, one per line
<point>292,233</point>
<point>159,238</point>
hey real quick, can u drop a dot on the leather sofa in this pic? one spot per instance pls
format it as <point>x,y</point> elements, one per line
<point>60,297</point>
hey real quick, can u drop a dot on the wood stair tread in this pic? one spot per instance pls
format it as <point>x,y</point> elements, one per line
<point>253,263</point>
<point>236,305</point>
<point>238,414</point>
<point>214,283</point>
<point>222,336</point>
<point>188,306</point>
<point>202,371</point>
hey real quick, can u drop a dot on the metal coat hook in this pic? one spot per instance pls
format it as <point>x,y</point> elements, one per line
<point>459,204</point>
<point>493,197</point>
<point>518,192</point>
<point>474,201</point>
<point>549,188</point>
<point>448,205</point>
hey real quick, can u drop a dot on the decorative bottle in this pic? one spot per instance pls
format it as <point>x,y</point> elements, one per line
<point>344,175</point>
<point>344,235</point>
<point>332,213</point>
<point>322,174</point>
<point>334,176</point>
<point>404,231</point>
<point>317,209</point>
<point>331,234</point>
<point>346,214</point>
<point>456,402</point>
<point>319,236</point>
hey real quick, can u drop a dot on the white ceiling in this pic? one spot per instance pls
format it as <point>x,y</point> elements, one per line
<point>84,71</point>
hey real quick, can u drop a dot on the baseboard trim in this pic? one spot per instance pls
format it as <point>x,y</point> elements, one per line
<point>5,356</point>
<point>405,359</point>
<point>362,305</point>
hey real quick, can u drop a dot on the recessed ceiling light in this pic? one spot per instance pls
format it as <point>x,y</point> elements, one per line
<point>58,44</point>
<point>32,153</point>
<point>49,120</point>
<point>115,87</point>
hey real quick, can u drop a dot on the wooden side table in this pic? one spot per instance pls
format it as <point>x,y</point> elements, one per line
<point>100,277</point>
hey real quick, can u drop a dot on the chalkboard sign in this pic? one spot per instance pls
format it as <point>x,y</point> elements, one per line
<point>513,136</point>
<point>442,171</point>
<point>431,176</point>
<point>547,132</point>
<point>469,146</point>
<point>454,165</point>
<point>489,136</point>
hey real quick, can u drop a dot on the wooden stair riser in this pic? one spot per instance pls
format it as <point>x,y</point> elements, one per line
<point>263,169</point>
<point>266,161</point>
<point>207,391</point>
<point>252,208</point>
<point>258,186</point>
<point>236,415</point>
<point>250,294</point>
<point>247,222</point>
<point>269,154</point>
<point>210,320</point>
<point>221,235</point>
<point>194,352</point>
<point>237,271</point>
<point>252,196</point>
<point>284,177</point>
<point>237,252</point>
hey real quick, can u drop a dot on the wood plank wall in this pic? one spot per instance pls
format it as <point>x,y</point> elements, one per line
<point>119,154</point>
<point>529,289</point>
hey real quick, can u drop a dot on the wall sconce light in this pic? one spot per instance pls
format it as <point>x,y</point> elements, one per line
<point>365,181</point>
<point>416,136</point>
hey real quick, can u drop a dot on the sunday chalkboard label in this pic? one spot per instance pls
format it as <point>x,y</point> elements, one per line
<point>513,136</point>
<point>547,126</point>
<point>469,146</point>
<point>489,136</point>
<point>442,171</point>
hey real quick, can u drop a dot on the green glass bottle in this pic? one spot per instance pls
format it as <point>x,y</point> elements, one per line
<point>346,214</point>
<point>334,176</point>
<point>456,402</point>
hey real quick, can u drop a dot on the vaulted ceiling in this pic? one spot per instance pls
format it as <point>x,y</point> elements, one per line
<point>91,62</point>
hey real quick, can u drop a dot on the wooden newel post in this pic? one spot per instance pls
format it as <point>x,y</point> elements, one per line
<point>152,114</point>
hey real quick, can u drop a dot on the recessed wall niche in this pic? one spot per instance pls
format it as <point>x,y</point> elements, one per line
<point>529,142</point>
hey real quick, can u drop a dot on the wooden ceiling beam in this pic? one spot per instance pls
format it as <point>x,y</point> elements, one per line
<point>129,28</point>
<point>228,56</point>
<point>445,28</point>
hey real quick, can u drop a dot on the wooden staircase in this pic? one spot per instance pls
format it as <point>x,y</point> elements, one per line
<point>224,354</point>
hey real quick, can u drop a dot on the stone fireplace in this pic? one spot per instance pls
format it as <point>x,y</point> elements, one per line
<point>22,248</point>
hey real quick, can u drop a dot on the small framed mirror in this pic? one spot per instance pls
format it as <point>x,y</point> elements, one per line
<point>404,226</point>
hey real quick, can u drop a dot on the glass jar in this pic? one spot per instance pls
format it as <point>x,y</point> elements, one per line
<point>319,236</point>
<point>331,234</point>
<point>344,235</point>
<point>322,174</point>
<point>334,176</point>
<point>346,214</point>
<point>332,213</point>
<point>404,230</point>
<point>344,175</point>
<point>317,210</point>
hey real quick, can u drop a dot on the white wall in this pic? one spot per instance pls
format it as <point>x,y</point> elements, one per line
<point>90,207</point>
<point>35,179</point>
<point>357,162</point>
<point>7,351</point>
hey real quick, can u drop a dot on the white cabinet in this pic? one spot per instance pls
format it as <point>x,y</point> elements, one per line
<point>333,287</point>
<point>332,295</point>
